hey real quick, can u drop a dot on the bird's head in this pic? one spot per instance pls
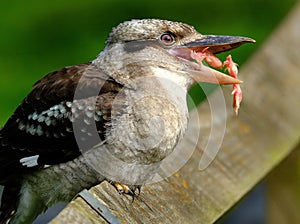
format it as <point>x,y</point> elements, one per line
<point>167,45</point>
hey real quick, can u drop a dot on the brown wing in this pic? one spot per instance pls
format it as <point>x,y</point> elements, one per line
<point>43,123</point>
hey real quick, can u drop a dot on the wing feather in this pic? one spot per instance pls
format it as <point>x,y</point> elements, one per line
<point>43,123</point>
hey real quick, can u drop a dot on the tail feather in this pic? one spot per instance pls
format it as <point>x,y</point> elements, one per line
<point>9,200</point>
<point>10,179</point>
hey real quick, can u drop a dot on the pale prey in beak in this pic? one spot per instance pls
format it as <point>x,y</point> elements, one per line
<point>210,45</point>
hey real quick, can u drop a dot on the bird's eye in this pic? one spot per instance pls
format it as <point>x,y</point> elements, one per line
<point>167,39</point>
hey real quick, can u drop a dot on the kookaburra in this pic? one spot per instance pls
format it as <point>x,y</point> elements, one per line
<point>115,118</point>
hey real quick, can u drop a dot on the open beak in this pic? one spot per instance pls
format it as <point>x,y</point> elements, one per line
<point>218,43</point>
<point>215,44</point>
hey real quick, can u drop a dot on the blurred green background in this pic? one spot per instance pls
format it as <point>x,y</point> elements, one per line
<point>37,37</point>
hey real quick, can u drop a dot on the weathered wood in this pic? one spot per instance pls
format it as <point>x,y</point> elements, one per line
<point>265,132</point>
<point>283,191</point>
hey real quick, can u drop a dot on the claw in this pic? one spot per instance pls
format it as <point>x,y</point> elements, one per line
<point>124,189</point>
<point>121,188</point>
<point>139,188</point>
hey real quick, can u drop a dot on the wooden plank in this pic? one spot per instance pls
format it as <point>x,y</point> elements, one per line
<point>265,132</point>
<point>283,191</point>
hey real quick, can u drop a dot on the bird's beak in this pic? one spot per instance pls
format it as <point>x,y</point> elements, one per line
<point>218,43</point>
<point>215,44</point>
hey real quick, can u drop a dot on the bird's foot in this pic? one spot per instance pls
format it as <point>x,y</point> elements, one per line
<point>127,189</point>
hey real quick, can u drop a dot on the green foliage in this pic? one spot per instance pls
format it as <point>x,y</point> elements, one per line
<point>37,37</point>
